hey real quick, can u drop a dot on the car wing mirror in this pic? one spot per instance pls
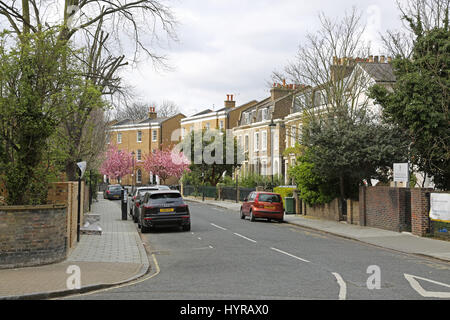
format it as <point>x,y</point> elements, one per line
<point>246,200</point>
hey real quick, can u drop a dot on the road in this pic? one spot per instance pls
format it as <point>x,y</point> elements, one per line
<point>226,258</point>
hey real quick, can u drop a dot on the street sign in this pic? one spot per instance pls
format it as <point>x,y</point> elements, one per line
<point>401,172</point>
<point>440,207</point>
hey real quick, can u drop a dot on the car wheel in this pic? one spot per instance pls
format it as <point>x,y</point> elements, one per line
<point>145,229</point>
<point>242,215</point>
<point>186,227</point>
<point>252,217</point>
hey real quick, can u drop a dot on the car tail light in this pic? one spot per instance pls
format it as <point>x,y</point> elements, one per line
<point>107,191</point>
<point>137,204</point>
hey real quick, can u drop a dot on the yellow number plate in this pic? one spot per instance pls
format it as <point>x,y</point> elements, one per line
<point>269,208</point>
<point>167,210</point>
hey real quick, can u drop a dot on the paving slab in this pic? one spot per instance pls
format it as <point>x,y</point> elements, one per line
<point>114,257</point>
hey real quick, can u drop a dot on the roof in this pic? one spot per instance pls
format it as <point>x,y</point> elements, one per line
<point>157,120</point>
<point>380,72</point>
<point>203,112</point>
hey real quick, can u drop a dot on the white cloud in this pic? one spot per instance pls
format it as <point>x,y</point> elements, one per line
<point>232,46</point>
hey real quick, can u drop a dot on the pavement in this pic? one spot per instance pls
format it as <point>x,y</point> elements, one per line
<point>115,257</point>
<point>402,242</point>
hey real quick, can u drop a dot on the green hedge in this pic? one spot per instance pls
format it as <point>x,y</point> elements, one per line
<point>284,192</point>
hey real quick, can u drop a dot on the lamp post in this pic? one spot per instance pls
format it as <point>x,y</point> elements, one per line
<point>271,126</point>
<point>132,174</point>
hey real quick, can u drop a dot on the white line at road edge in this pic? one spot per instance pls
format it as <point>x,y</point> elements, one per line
<point>342,285</point>
<point>240,235</point>
<point>290,255</point>
<point>424,293</point>
<point>215,225</point>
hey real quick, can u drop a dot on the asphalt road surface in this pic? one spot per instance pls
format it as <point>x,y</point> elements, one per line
<point>226,258</point>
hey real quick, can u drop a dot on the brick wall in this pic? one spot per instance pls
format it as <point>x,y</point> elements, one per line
<point>353,212</point>
<point>420,209</point>
<point>328,211</point>
<point>31,236</point>
<point>66,193</point>
<point>385,208</point>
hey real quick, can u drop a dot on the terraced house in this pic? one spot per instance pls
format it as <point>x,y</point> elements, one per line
<point>260,131</point>
<point>357,74</point>
<point>143,137</point>
<point>223,119</point>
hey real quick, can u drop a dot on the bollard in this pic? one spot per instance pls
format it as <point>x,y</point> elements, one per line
<point>124,199</point>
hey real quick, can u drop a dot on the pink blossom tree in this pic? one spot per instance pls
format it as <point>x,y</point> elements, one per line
<point>117,163</point>
<point>166,164</point>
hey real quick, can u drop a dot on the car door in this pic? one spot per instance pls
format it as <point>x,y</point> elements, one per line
<point>247,205</point>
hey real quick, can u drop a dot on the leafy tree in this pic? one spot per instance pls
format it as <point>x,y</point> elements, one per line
<point>314,188</point>
<point>419,101</point>
<point>349,152</point>
<point>212,154</point>
<point>32,87</point>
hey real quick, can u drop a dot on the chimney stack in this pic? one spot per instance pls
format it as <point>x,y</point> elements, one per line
<point>152,113</point>
<point>370,59</point>
<point>389,59</point>
<point>229,104</point>
<point>382,59</point>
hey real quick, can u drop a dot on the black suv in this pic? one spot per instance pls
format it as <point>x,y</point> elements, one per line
<point>164,209</point>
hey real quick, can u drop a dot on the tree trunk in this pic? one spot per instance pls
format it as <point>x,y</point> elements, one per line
<point>26,16</point>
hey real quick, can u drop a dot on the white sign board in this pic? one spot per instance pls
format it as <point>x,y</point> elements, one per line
<point>401,172</point>
<point>440,207</point>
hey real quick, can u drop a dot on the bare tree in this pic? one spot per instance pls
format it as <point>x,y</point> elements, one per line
<point>417,16</point>
<point>327,62</point>
<point>139,110</point>
<point>136,22</point>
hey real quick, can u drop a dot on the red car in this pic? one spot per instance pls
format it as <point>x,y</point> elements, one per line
<point>263,205</point>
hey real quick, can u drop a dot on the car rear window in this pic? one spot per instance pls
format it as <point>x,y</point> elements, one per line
<point>144,191</point>
<point>165,196</point>
<point>274,198</point>
<point>115,188</point>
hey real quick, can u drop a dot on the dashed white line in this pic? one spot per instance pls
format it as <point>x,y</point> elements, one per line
<point>290,255</point>
<point>219,227</point>
<point>240,235</point>
<point>342,285</point>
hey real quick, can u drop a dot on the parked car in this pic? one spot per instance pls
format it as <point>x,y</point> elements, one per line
<point>164,209</point>
<point>263,205</point>
<point>113,192</point>
<point>137,196</point>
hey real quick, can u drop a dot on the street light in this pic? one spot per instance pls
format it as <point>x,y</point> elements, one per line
<point>132,174</point>
<point>271,126</point>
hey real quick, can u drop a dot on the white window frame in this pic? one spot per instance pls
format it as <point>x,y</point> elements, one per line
<point>154,135</point>
<point>119,137</point>
<point>246,143</point>
<point>139,136</point>
<point>139,155</point>
<point>293,136</point>
<point>256,141</point>
<point>139,176</point>
<point>264,141</point>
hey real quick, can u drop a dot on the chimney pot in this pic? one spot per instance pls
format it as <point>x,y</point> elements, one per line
<point>376,59</point>
<point>382,59</point>
<point>371,59</point>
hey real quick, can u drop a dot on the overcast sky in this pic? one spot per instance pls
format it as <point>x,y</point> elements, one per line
<point>232,47</point>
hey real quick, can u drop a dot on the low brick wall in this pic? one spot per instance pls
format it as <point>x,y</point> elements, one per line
<point>385,208</point>
<point>32,235</point>
<point>353,212</point>
<point>328,211</point>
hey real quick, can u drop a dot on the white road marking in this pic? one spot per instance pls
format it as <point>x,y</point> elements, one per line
<point>424,293</point>
<point>342,285</point>
<point>199,238</point>
<point>240,235</point>
<point>290,255</point>
<point>215,225</point>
